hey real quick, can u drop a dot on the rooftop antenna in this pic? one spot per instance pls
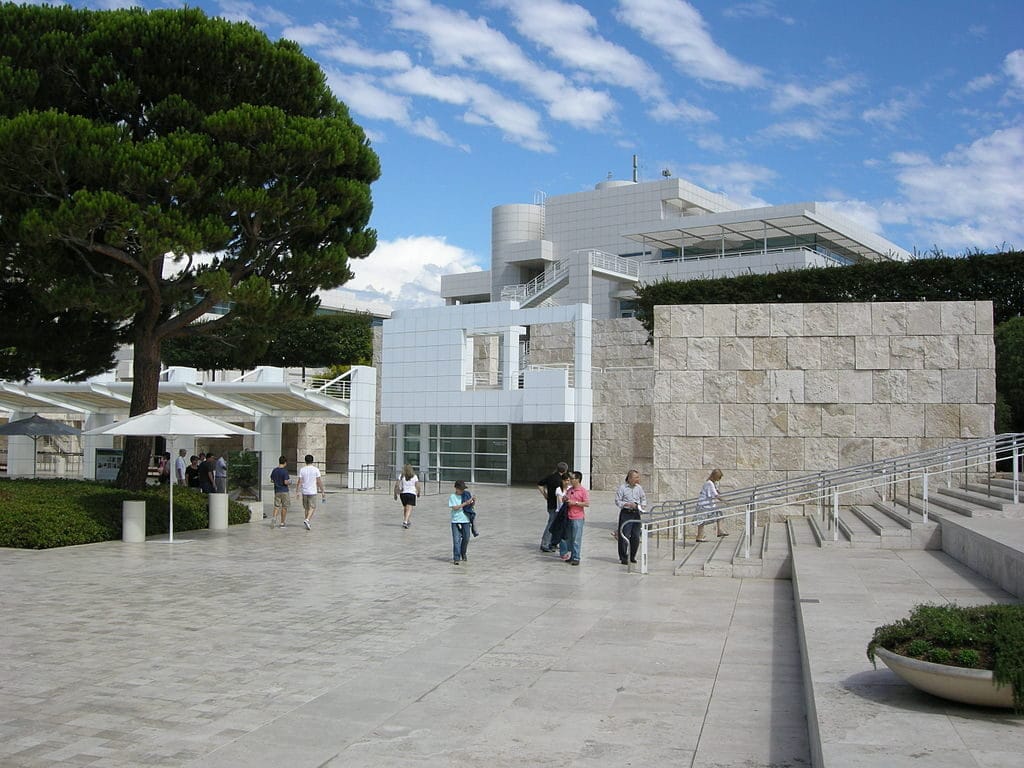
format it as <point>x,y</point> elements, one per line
<point>635,173</point>
<point>666,172</point>
<point>610,176</point>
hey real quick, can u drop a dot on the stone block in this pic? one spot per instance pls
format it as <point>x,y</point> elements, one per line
<point>907,420</point>
<point>702,420</point>
<point>941,420</point>
<point>643,440</point>
<point>787,319</point>
<point>720,452</point>
<point>804,420</point>
<point>925,386</point>
<point>821,386</point>
<point>977,421</point>
<point>753,453</point>
<point>753,320</point>
<point>889,318</point>
<point>702,354</point>
<point>838,420</point>
<point>687,321</point>
<point>821,319</point>
<point>736,419</point>
<point>976,351</point>
<point>769,353</point>
<point>838,352</point>
<point>957,317</point>
<point>941,352</point>
<point>906,352</point>
<point>787,453</point>
<point>719,387</point>
<point>821,453</point>
<point>873,420</point>
<point>872,352</point>
<point>803,352</point>
<point>687,452</point>
<point>983,321</point>
<point>672,354</point>
<point>854,319</point>
<point>670,419</point>
<point>736,353</point>
<point>751,386</point>
<point>854,451</point>
<point>855,387</point>
<point>924,318</point>
<point>987,386</point>
<point>959,386</point>
<point>771,420</point>
<point>890,386</point>
<point>663,390</point>
<point>786,386</point>
<point>720,320</point>
<point>687,386</point>
<point>889,447</point>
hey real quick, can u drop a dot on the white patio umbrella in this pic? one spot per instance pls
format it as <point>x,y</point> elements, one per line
<point>171,421</point>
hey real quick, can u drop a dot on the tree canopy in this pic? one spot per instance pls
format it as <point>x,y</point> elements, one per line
<point>156,164</point>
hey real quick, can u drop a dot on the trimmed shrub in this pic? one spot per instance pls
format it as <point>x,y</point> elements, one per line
<point>40,514</point>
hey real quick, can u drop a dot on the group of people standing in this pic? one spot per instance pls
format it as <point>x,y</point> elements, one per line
<point>208,471</point>
<point>567,502</point>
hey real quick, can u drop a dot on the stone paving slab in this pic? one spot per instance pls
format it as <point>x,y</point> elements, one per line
<point>867,717</point>
<point>359,644</point>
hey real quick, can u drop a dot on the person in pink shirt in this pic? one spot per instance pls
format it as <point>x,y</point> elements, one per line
<point>578,499</point>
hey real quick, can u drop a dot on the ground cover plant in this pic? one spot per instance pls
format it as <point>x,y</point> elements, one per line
<point>976,637</point>
<point>39,514</point>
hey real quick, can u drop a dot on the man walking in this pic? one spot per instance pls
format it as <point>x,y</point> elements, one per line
<point>179,468</point>
<point>631,500</point>
<point>548,487</point>
<point>310,486</point>
<point>281,479</point>
<point>220,474</point>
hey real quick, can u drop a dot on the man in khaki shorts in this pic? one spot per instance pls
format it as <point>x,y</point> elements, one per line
<point>311,486</point>
<point>281,479</point>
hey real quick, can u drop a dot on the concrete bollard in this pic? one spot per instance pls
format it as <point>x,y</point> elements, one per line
<point>133,521</point>
<point>218,505</point>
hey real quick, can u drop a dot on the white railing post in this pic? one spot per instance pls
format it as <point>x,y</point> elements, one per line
<point>643,548</point>
<point>1016,471</point>
<point>835,514</point>
<point>747,533</point>
<point>924,496</point>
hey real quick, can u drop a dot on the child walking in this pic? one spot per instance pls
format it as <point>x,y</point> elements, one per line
<point>461,526</point>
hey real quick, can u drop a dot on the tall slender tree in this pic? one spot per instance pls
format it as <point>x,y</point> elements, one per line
<point>155,165</point>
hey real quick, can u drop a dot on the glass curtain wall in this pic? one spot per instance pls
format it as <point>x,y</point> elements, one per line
<point>476,453</point>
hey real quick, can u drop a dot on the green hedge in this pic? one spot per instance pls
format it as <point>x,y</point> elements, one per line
<point>39,514</point>
<point>999,277</point>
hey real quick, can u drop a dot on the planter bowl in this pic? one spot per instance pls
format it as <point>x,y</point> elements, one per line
<point>968,686</point>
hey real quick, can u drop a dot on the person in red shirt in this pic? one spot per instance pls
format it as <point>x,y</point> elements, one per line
<point>578,499</point>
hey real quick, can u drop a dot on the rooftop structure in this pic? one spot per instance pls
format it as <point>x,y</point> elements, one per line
<point>595,247</point>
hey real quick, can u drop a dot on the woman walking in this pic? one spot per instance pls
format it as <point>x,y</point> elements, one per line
<point>407,487</point>
<point>707,505</point>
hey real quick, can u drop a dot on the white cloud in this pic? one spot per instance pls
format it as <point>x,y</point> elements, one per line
<point>806,130</point>
<point>1013,67</point>
<point>670,112</point>
<point>760,9</point>
<point>819,98</point>
<point>457,40</point>
<point>314,35</point>
<point>890,113</point>
<point>735,180</point>
<point>859,212</point>
<point>678,29</point>
<point>973,198</point>
<point>260,16</point>
<point>354,55</point>
<point>981,83</point>
<point>402,273</point>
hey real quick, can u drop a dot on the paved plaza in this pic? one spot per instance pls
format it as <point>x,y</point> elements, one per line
<point>358,643</point>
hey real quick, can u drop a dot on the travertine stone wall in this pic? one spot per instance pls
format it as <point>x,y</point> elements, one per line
<point>622,435</point>
<point>766,392</point>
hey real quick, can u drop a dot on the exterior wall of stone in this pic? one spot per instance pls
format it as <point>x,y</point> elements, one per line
<point>766,392</point>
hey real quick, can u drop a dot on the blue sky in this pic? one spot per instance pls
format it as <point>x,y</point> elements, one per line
<point>906,116</point>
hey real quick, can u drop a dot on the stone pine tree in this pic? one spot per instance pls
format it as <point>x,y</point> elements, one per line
<point>157,165</point>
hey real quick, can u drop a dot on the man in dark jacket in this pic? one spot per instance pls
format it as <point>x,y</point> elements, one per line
<point>548,487</point>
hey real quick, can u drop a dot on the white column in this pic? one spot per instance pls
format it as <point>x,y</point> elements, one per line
<point>510,357</point>
<point>268,443</point>
<point>20,450</point>
<point>584,393</point>
<point>362,430</point>
<point>91,442</point>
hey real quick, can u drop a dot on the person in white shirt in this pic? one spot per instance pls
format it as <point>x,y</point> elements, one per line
<point>311,485</point>
<point>179,467</point>
<point>407,487</point>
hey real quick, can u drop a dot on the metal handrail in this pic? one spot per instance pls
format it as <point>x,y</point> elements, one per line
<point>675,516</point>
<point>525,291</point>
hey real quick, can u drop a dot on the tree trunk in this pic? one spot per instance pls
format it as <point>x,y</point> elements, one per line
<point>145,389</point>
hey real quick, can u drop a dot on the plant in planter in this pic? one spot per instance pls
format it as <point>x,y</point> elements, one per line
<point>981,637</point>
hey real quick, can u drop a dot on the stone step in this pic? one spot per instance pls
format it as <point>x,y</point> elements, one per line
<point>996,489</point>
<point>942,504</point>
<point>979,499</point>
<point>801,532</point>
<point>858,533</point>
